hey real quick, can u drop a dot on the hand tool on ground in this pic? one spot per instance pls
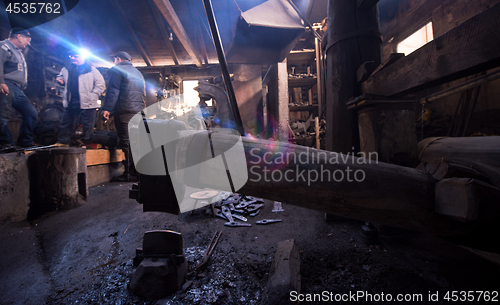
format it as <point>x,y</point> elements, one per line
<point>239,217</point>
<point>244,204</point>
<point>254,213</point>
<point>254,207</point>
<point>267,221</point>
<point>250,198</point>
<point>277,207</point>
<point>211,246</point>
<point>219,214</point>
<point>237,224</point>
<point>227,212</point>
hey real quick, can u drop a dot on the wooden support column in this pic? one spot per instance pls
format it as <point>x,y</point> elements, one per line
<point>248,91</point>
<point>353,38</point>
<point>277,102</point>
<point>319,74</point>
<point>283,111</point>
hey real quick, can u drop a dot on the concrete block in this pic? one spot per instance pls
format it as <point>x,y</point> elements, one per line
<point>99,174</point>
<point>14,187</point>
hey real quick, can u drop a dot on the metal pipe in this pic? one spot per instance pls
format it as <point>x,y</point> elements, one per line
<point>223,65</point>
<point>462,87</point>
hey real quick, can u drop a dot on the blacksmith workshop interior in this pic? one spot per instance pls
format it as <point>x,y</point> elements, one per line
<point>289,151</point>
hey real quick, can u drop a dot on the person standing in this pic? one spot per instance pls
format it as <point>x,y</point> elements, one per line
<point>125,97</point>
<point>13,80</point>
<point>83,84</point>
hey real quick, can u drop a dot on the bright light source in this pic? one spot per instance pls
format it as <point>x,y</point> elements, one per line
<point>84,53</point>
<point>416,40</point>
<point>190,95</point>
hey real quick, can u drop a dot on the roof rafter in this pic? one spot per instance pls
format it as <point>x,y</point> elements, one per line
<point>135,39</point>
<point>168,12</point>
<point>166,36</point>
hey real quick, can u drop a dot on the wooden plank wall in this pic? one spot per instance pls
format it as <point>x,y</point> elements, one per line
<point>412,14</point>
<point>399,18</point>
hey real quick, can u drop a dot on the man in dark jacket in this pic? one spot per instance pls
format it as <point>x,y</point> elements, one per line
<point>125,97</point>
<point>13,80</point>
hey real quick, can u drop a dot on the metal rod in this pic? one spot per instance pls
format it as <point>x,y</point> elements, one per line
<point>467,85</point>
<point>223,65</point>
<point>301,16</point>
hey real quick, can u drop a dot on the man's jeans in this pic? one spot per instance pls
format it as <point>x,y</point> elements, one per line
<point>17,100</point>
<point>68,124</point>
<point>121,125</point>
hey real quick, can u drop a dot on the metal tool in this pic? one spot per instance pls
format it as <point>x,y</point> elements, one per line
<point>277,207</point>
<point>227,212</point>
<point>232,200</point>
<point>239,217</point>
<point>254,213</point>
<point>254,207</point>
<point>208,252</point>
<point>219,214</point>
<point>237,224</point>
<point>36,148</point>
<point>267,221</point>
<point>244,204</point>
<point>250,198</point>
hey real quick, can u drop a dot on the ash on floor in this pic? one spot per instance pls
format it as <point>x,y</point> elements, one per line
<point>84,256</point>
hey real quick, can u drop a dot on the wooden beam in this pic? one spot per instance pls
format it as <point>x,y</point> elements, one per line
<point>467,199</point>
<point>284,273</point>
<point>479,149</point>
<point>168,12</point>
<point>337,184</point>
<point>201,41</point>
<point>135,39</point>
<point>166,36</point>
<point>198,24</point>
<point>186,72</point>
<point>471,47</point>
<point>104,156</point>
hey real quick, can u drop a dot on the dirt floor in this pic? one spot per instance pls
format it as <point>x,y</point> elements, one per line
<point>84,256</point>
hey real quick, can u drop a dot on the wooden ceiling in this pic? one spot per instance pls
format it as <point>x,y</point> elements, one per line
<point>154,32</point>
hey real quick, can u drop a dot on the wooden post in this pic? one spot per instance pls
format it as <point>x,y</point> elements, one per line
<point>309,92</point>
<point>277,102</point>
<point>283,112</point>
<point>316,130</point>
<point>353,38</point>
<point>319,74</point>
<point>284,274</point>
